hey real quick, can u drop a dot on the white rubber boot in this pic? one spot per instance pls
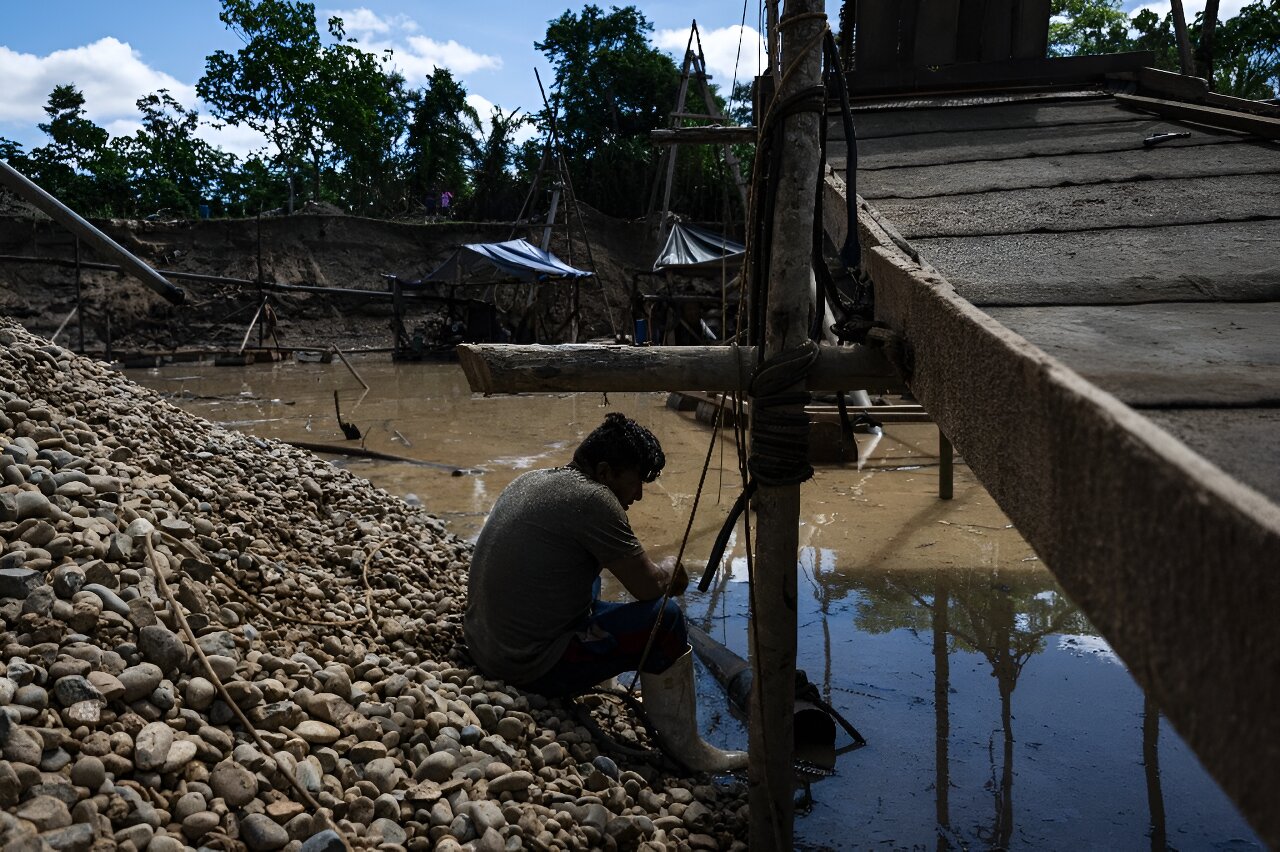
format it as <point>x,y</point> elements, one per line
<point>671,702</point>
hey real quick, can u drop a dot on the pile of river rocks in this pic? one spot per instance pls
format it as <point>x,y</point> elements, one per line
<point>328,609</point>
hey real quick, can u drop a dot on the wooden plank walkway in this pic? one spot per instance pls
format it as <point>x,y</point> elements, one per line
<point>1096,327</point>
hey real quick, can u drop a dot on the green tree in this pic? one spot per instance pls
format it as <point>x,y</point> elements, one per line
<point>363,116</point>
<point>495,189</point>
<point>275,82</point>
<point>11,152</point>
<point>1239,56</point>
<point>442,137</point>
<point>1088,27</point>
<point>170,167</point>
<point>77,164</point>
<point>1248,51</point>
<point>611,88</point>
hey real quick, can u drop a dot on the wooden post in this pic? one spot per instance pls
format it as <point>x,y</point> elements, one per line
<point>778,507</point>
<point>508,368</point>
<point>946,470</point>
<point>1185,61</point>
<point>79,300</point>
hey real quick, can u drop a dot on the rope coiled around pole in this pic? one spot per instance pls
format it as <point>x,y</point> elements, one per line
<point>779,424</point>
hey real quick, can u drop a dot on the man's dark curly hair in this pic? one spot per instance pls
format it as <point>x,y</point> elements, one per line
<point>624,444</point>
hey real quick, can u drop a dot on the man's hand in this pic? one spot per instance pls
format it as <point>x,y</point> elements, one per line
<point>677,577</point>
<point>646,579</point>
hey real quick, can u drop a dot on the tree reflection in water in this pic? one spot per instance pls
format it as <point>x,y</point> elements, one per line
<point>1006,616</point>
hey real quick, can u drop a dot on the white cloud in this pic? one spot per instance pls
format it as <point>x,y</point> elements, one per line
<point>724,48</point>
<point>365,23</point>
<point>1227,9</point>
<point>240,141</point>
<point>112,76</point>
<point>484,107</point>
<point>416,56</point>
<point>110,73</point>
<point>421,55</point>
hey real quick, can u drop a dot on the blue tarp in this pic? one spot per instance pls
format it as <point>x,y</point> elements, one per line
<point>690,248</point>
<point>512,259</point>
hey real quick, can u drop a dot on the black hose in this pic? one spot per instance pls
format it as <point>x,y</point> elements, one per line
<point>722,538</point>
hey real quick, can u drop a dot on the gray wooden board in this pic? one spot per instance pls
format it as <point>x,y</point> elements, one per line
<point>1219,262</point>
<point>944,148</point>
<point>1067,170</point>
<point>880,123</point>
<point>1111,205</point>
<point>1179,355</point>
<point>1243,442</point>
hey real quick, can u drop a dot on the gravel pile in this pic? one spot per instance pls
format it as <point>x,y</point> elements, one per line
<point>325,613</point>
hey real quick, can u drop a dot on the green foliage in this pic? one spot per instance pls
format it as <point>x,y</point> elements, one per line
<point>171,168</point>
<point>274,83</point>
<point>1248,51</point>
<point>611,88</point>
<point>76,165</point>
<point>496,192</point>
<point>1088,27</point>
<point>442,137</point>
<point>1246,48</point>
<point>12,152</point>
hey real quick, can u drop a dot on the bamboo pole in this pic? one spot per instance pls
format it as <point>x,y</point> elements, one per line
<point>778,506</point>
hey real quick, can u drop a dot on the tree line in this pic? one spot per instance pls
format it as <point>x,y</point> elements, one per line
<point>346,128</point>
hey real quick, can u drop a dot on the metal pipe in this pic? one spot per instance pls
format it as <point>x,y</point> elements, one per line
<point>22,186</point>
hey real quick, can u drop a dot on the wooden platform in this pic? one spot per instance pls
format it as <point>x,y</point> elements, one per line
<point>1095,325</point>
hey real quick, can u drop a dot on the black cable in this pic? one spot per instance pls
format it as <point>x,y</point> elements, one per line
<point>722,538</point>
<point>851,251</point>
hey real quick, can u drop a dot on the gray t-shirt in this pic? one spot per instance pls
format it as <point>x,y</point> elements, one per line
<point>531,573</point>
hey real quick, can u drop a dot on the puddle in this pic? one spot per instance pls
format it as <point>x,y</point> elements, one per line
<point>995,716</point>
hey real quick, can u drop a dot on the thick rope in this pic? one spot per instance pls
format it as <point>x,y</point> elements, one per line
<point>780,432</point>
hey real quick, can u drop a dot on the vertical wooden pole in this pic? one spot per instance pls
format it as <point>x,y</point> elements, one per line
<point>1185,62</point>
<point>778,507</point>
<point>79,300</point>
<point>946,468</point>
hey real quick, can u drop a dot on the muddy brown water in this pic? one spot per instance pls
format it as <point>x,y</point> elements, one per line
<point>995,715</point>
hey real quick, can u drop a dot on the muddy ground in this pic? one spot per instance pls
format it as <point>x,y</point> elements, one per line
<point>319,247</point>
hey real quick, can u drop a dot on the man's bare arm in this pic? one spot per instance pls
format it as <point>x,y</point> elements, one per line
<point>645,579</point>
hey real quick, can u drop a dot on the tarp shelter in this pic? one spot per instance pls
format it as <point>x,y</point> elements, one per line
<point>696,250</point>
<point>488,262</point>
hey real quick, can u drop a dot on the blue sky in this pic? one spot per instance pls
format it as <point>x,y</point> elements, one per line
<point>116,52</point>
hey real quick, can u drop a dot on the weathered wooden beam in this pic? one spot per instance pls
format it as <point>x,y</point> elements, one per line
<point>1170,558</point>
<point>501,368</point>
<point>710,135</point>
<point>1258,125</point>
<point>1058,70</point>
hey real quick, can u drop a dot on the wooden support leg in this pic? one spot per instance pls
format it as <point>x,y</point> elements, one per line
<point>946,475</point>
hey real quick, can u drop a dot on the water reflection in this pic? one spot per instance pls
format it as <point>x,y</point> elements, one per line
<point>973,685</point>
<point>910,607</point>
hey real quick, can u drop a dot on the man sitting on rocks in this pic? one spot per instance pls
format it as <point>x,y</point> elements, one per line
<point>533,616</point>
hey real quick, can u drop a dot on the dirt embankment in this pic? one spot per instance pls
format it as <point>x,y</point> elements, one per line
<point>318,249</point>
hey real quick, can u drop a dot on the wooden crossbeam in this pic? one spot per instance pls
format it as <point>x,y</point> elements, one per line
<point>1267,128</point>
<point>714,135</point>
<point>500,368</point>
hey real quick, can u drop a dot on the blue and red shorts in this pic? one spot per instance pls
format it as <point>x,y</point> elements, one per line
<point>610,641</point>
